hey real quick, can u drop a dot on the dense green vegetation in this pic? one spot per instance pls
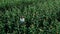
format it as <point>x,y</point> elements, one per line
<point>35,12</point>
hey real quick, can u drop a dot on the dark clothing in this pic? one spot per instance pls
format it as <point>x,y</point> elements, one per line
<point>6,28</point>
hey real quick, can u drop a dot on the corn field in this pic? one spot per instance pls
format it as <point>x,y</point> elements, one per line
<point>41,16</point>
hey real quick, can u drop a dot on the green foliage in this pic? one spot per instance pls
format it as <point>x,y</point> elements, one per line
<point>35,12</point>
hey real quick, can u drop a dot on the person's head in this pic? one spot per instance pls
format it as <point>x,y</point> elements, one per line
<point>21,16</point>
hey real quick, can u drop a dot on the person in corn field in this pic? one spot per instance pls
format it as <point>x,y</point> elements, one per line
<point>22,19</point>
<point>27,22</point>
<point>21,22</point>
